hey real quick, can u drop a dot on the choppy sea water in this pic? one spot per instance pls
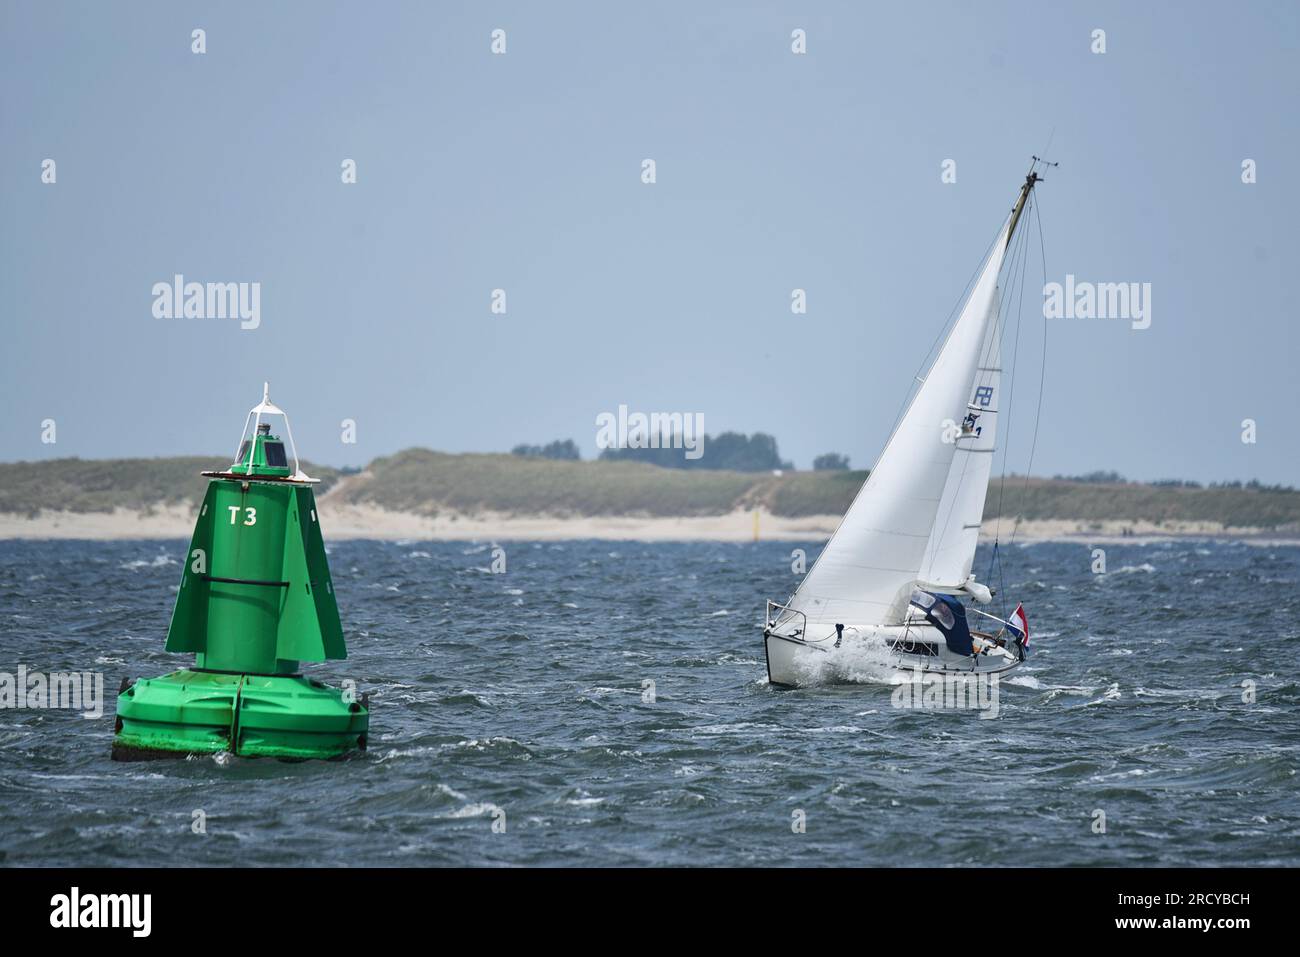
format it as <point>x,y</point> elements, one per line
<point>524,692</point>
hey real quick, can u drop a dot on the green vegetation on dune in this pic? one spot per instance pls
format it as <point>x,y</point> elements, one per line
<point>427,482</point>
<point>419,480</point>
<point>101,485</point>
<point>797,494</point>
<point>1136,502</point>
<point>423,481</point>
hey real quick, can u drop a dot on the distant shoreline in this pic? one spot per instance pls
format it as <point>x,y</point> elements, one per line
<point>423,494</point>
<point>343,521</point>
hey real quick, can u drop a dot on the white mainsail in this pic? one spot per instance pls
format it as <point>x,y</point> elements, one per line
<point>868,569</point>
<point>951,551</point>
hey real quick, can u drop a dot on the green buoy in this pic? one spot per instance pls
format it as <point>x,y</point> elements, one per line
<point>255,599</point>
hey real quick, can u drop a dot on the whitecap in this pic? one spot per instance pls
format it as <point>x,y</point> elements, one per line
<point>1023,681</point>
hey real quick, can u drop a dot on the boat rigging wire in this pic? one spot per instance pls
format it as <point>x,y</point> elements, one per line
<point>1042,371</point>
<point>1019,253</point>
<point>1018,282</point>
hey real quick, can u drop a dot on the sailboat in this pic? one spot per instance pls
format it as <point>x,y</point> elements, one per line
<point>895,578</point>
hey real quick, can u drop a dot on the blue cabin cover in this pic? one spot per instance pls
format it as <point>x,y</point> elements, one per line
<point>949,616</point>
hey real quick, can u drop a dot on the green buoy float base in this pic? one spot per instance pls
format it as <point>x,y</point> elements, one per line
<point>205,712</point>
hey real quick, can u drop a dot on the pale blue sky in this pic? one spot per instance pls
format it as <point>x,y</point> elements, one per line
<point>522,172</point>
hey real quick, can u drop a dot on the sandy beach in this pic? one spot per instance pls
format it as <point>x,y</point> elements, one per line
<point>348,521</point>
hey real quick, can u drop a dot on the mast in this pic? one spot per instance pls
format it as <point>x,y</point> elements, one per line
<point>1031,180</point>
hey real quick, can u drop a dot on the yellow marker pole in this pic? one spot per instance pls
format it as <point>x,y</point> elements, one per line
<point>755,524</point>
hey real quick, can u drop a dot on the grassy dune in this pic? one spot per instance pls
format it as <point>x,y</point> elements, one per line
<point>810,493</point>
<point>101,485</point>
<point>428,483</point>
<point>1132,501</point>
<point>425,482</point>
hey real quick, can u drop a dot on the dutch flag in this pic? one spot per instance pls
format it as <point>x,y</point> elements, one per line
<point>1019,626</point>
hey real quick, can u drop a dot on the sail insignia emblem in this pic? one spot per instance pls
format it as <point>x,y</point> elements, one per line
<point>984,395</point>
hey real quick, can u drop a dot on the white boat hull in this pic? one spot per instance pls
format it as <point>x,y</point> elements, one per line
<point>794,663</point>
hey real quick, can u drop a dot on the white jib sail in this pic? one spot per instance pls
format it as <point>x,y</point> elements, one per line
<point>951,551</point>
<point>867,570</point>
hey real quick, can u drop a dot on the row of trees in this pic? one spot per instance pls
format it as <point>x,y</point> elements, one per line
<point>733,451</point>
<point>1098,477</point>
<point>830,462</point>
<point>566,449</point>
<point>1114,478</point>
<point>1254,485</point>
